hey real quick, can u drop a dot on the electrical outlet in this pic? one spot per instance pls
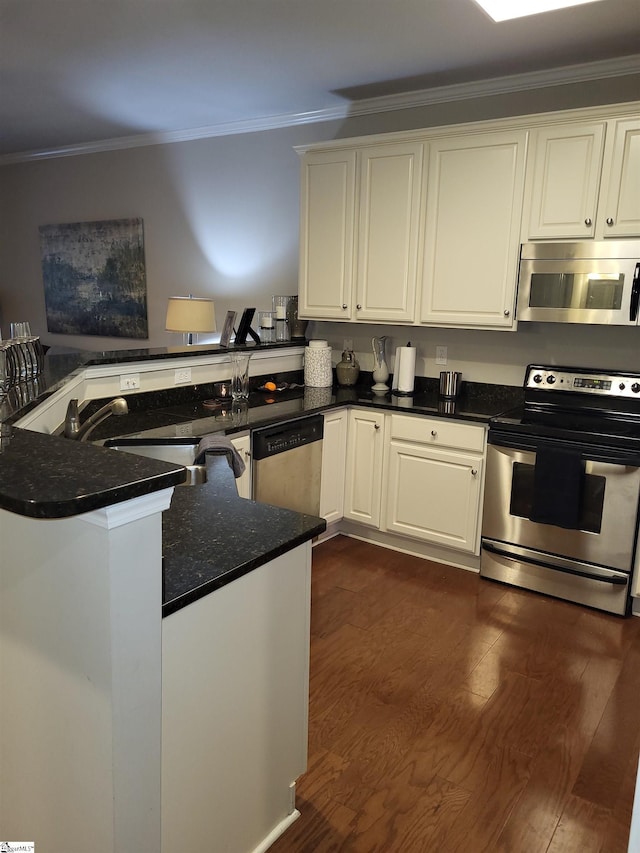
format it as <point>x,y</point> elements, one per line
<point>130,382</point>
<point>182,375</point>
<point>441,355</point>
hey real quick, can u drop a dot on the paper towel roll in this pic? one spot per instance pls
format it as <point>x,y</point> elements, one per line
<point>404,370</point>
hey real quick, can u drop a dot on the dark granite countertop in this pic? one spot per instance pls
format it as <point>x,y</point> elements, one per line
<point>44,476</point>
<point>167,415</point>
<point>211,536</point>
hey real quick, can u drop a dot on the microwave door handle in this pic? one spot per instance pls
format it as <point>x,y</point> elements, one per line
<point>635,295</point>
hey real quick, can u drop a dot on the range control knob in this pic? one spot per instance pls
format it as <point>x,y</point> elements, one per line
<point>636,388</point>
<point>621,386</point>
<point>551,379</point>
<point>537,378</point>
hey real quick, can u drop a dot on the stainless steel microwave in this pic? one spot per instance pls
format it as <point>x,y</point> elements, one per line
<point>595,282</point>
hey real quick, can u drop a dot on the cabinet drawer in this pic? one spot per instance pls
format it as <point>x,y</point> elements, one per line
<point>438,432</point>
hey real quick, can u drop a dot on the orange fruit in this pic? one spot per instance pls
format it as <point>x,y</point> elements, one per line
<point>270,386</point>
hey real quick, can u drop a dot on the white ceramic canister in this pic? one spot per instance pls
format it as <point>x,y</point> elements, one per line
<point>317,365</point>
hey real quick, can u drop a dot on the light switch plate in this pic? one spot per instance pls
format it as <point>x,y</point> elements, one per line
<point>441,355</point>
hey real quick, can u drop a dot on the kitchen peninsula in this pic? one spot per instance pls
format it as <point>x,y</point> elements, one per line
<point>121,730</point>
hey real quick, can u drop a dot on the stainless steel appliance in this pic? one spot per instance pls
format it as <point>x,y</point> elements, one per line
<point>594,282</point>
<point>562,487</point>
<point>287,462</point>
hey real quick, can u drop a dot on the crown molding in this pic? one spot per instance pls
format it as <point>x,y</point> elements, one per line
<point>581,73</point>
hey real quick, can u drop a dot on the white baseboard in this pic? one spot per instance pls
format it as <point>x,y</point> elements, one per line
<point>276,832</point>
<point>424,550</point>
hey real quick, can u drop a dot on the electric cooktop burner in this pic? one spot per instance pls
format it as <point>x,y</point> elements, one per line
<point>577,404</point>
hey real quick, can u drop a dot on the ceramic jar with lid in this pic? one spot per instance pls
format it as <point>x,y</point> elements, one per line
<point>347,370</point>
<point>317,365</point>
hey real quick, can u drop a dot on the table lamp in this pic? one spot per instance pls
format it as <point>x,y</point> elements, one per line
<point>190,315</point>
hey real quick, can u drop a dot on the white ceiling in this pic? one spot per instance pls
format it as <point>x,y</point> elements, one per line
<point>80,71</point>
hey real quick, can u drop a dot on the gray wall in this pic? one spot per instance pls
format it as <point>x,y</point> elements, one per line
<point>221,220</point>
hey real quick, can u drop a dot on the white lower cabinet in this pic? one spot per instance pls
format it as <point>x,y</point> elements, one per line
<point>412,476</point>
<point>242,444</point>
<point>334,454</point>
<point>365,446</point>
<point>433,486</point>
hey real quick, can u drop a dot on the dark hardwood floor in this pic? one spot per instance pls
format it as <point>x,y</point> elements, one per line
<point>450,713</point>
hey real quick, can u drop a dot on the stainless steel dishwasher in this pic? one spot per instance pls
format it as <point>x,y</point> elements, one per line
<point>287,462</point>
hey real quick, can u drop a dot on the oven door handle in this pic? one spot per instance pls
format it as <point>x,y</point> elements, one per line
<point>635,295</point>
<point>590,453</point>
<point>617,581</point>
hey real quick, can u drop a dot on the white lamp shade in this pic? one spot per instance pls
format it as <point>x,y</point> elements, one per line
<point>190,314</point>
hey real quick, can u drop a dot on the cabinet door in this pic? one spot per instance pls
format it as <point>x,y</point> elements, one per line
<point>619,212</point>
<point>566,164</point>
<point>389,214</point>
<point>364,467</point>
<point>434,495</point>
<point>242,444</point>
<point>472,233</point>
<point>326,235</point>
<point>334,454</point>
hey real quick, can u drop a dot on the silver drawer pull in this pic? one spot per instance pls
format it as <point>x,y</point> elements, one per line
<point>434,433</point>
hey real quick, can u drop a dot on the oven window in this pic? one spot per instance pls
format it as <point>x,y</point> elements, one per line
<point>589,291</point>
<point>591,504</point>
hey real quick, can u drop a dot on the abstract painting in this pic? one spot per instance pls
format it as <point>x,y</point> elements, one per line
<point>95,279</point>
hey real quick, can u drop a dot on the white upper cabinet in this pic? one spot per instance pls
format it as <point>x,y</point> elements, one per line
<point>425,226</point>
<point>365,201</point>
<point>584,181</point>
<point>388,226</point>
<point>471,246</point>
<point>327,211</point>
<point>619,210</point>
<point>565,166</point>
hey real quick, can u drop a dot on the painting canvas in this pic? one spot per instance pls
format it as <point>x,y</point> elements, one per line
<point>95,279</point>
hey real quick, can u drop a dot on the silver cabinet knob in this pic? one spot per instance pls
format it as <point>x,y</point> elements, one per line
<point>506,312</point>
<point>358,307</point>
<point>587,222</point>
<point>609,220</point>
<point>376,426</point>
<point>434,433</point>
<point>344,307</point>
<point>474,472</point>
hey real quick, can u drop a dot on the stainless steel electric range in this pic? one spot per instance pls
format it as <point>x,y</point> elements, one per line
<point>562,487</point>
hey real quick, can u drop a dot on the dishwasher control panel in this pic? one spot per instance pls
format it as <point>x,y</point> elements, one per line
<point>282,437</point>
